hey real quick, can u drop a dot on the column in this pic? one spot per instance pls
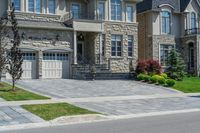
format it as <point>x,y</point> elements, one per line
<point>100,48</point>
<point>75,47</point>
<point>39,64</point>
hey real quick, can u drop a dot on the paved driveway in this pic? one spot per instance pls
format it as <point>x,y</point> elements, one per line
<point>61,88</point>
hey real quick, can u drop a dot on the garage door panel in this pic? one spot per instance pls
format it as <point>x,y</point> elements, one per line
<point>55,65</point>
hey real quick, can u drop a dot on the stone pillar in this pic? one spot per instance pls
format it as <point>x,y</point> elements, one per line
<point>100,48</point>
<point>75,47</point>
<point>39,64</point>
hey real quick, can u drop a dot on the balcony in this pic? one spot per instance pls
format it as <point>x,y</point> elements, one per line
<point>84,22</point>
<point>192,31</point>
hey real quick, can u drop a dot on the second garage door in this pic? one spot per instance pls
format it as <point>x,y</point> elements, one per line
<point>55,65</point>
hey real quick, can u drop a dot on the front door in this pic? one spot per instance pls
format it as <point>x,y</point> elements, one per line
<point>80,46</point>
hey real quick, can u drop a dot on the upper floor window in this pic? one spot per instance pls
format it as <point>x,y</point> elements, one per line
<point>116,45</point>
<point>17,4</point>
<point>166,22</point>
<point>116,10</point>
<point>129,11</point>
<point>193,20</point>
<point>101,10</point>
<point>34,6</point>
<point>76,10</point>
<point>51,6</point>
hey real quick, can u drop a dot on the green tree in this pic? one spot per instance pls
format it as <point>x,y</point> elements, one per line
<point>15,58</point>
<point>176,65</point>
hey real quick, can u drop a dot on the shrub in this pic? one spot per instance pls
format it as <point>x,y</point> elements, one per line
<point>155,78</point>
<point>141,77</point>
<point>141,67</point>
<point>164,75</point>
<point>170,82</point>
<point>147,78</point>
<point>161,80</point>
<point>153,67</point>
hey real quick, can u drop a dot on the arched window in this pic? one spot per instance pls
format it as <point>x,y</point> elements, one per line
<point>17,4</point>
<point>193,20</point>
<point>166,20</point>
<point>116,10</point>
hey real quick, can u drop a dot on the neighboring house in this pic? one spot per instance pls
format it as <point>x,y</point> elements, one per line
<point>61,37</point>
<point>166,24</point>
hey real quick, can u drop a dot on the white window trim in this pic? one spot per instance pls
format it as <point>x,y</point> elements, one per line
<point>116,56</point>
<point>168,10</point>
<point>173,44</point>
<point>104,9</point>
<point>133,17</point>
<point>77,4</point>
<point>41,6</point>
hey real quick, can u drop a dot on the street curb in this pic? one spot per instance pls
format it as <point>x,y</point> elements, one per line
<point>104,119</point>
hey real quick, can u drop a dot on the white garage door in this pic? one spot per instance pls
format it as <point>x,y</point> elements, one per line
<point>55,65</point>
<point>29,66</point>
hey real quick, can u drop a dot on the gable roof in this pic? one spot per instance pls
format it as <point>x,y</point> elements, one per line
<point>147,5</point>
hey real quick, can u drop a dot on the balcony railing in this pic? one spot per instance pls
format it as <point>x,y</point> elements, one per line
<point>192,31</point>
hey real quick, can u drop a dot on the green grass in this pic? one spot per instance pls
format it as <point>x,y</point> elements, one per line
<point>188,85</point>
<point>52,111</point>
<point>18,95</point>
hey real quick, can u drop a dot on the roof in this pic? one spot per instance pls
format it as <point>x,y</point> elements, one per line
<point>147,5</point>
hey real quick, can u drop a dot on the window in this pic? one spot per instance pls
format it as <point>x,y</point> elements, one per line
<point>75,10</point>
<point>51,6</point>
<point>116,45</point>
<point>164,53</point>
<point>116,10</point>
<point>55,56</point>
<point>130,46</point>
<point>17,4</point>
<point>38,6</point>
<point>31,5</point>
<point>193,20</point>
<point>129,11</point>
<point>101,10</point>
<point>28,56</point>
<point>166,22</point>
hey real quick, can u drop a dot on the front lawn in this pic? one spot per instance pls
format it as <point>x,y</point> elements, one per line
<point>188,85</point>
<point>52,111</point>
<point>18,95</point>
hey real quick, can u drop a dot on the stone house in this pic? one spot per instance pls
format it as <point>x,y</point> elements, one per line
<point>167,24</point>
<point>60,38</point>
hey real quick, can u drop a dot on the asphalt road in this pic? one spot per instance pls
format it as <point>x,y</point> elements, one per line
<point>176,123</point>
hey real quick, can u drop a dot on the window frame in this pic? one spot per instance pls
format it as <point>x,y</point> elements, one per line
<point>193,18</point>
<point>116,52</point>
<point>132,13</point>
<point>19,6</point>
<point>132,45</point>
<point>35,6</point>
<point>116,15</point>
<point>54,7</point>
<point>163,44</point>
<point>170,21</point>
<point>80,8</point>
<point>104,7</point>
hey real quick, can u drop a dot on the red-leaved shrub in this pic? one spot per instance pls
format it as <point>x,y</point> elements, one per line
<point>148,67</point>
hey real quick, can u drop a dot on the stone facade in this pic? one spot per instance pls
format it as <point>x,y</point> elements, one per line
<point>122,63</point>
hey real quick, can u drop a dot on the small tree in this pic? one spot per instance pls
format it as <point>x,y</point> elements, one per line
<point>176,69</point>
<point>3,34</point>
<point>15,58</point>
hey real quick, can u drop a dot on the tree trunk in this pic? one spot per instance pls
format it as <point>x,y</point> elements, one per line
<point>13,85</point>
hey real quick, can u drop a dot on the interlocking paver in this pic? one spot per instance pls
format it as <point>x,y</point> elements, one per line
<point>16,115</point>
<point>63,88</point>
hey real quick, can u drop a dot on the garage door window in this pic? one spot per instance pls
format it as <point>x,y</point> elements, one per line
<point>29,56</point>
<point>54,56</point>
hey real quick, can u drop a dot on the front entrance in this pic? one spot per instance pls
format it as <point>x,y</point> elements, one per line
<point>80,50</point>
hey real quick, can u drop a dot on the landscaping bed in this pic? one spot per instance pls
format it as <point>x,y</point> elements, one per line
<point>188,85</point>
<point>53,111</point>
<point>18,95</point>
